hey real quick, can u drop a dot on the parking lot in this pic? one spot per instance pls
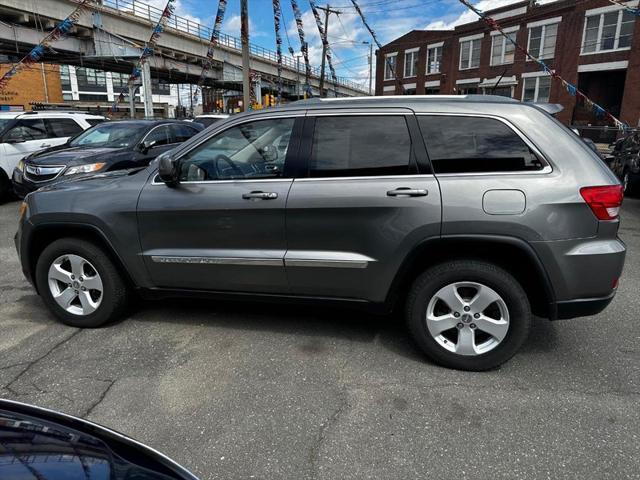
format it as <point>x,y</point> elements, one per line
<point>232,390</point>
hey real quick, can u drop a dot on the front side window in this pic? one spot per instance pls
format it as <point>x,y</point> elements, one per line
<point>470,54</point>
<point>608,31</point>
<point>63,127</point>
<point>360,146</point>
<point>26,130</point>
<point>411,63</point>
<point>542,41</point>
<point>434,59</point>
<point>249,151</point>
<point>159,136</point>
<point>458,144</point>
<point>536,89</point>
<point>503,50</point>
<point>390,67</point>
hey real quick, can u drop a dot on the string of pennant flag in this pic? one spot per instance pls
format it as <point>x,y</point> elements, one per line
<point>277,18</point>
<point>597,109</point>
<point>213,42</point>
<point>304,47</point>
<point>37,53</point>
<point>147,51</point>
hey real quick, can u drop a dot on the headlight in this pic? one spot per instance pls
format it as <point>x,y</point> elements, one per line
<point>20,165</point>
<point>90,167</point>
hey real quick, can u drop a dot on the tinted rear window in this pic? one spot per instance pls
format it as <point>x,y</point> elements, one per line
<point>458,144</point>
<point>360,146</point>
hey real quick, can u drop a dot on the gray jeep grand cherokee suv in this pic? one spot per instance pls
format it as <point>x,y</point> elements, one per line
<point>471,213</point>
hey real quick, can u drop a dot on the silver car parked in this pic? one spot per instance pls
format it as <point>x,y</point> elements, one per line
<point>470,213</point>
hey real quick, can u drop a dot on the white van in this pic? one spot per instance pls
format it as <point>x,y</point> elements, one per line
<point>23,133</point>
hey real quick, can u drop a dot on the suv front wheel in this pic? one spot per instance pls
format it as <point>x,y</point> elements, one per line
<point>80,284</point>
<point>468,314</point>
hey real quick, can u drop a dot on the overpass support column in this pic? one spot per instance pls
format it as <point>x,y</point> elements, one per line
<point>148,93</point>
<point>132,100</point>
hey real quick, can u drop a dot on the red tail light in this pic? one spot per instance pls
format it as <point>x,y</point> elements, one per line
<point>604,201</point>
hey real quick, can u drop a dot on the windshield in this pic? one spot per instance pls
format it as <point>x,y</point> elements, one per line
<point>112,135</point>
<point>4,122</point>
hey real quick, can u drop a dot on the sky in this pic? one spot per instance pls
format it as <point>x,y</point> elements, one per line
<point>388,18</point>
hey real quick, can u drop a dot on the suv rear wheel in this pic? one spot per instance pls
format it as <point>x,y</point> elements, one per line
<point>468,314</point>
<point>80,284</point>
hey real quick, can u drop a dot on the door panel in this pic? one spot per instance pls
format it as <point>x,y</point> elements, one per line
<point>350,229</point>
<point>223,227</point>
<point>206,236</point>
<point>354,236</point>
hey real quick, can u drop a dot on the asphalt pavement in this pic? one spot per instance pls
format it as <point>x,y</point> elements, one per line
<point>235,391</point>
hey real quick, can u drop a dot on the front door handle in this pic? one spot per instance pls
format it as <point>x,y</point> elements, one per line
<point>45,145</point>
<point>260,196</point>
<point>408,192</point>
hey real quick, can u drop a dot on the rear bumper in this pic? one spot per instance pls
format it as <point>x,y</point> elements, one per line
<point>583,307</point>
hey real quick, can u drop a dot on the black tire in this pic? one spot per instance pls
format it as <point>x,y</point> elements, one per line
<point>115,292</point>
<point>631,182</point>
<point>432,280</point>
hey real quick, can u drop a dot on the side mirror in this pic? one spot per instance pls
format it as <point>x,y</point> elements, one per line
<point>169,170</point>
<point>147,145</point>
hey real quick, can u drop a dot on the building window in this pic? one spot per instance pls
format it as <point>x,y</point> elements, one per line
<point>542,40</point>
<point>390,66</point>
<point>608,31</point>
<point>65,77</point>
<point>432,91</point>
<point>92,97</point>
<point>470,54</point>
<point>504,91</point>
<point>502,50</point>
<point>120,80</point>
<point>91,79</point>
<point>434,59</point>
<point>468,89</point>
<point>410,91</point>
<point>536,89</point>
<point>410,63</point>
<point>160,87</point>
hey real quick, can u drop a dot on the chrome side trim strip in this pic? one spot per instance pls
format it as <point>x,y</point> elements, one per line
<point>262,262</point>
<point>236,180</point>
<point>417,176</point>
<point>327,263</point>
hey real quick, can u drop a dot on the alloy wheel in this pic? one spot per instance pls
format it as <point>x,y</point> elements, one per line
<point>467,318</point>
<point>75,284</point>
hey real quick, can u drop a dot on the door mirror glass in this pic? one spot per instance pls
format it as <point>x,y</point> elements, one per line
<point>168,170</point>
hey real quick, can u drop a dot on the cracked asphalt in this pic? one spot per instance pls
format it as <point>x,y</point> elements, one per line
<point>237,391</point>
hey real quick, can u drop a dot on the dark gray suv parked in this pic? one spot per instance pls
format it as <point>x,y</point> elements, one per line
<point>471,213</point>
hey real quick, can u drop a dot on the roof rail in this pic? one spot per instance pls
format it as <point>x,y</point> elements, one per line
<point>410,98</point>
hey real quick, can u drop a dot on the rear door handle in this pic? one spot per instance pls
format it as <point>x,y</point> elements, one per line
<point>260,196</point>
<point>45,145</point>
<point>408,192</point>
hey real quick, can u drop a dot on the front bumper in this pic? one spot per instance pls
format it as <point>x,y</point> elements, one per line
<point>21,185</point>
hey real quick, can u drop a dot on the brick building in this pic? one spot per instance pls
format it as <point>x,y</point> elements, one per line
<point>38,84</point>
<point>590,43</point>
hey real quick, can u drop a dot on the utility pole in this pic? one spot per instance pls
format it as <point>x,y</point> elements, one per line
<point>327,10</point>
<point>244,37</point>
<point>370,67</point>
